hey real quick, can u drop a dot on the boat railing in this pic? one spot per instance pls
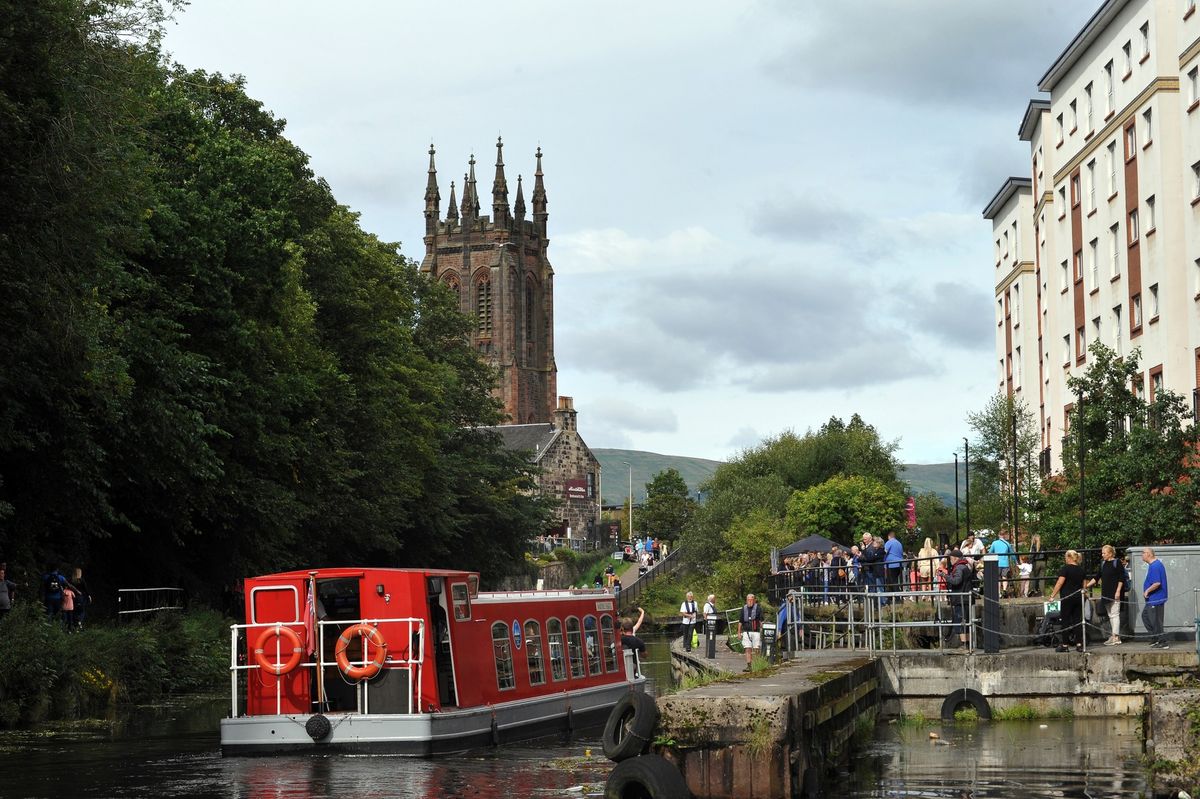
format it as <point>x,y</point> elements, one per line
<point>407,658</point>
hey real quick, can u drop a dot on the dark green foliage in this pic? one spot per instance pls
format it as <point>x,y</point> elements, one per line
<point>668,509</point>
<point>763,478</point>
<point>209,368</point>
<point>46,672</point>
<point>1142,480</point>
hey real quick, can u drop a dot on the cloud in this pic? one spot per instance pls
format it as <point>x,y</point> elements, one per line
<point>612,249</point>
<point>624,415</point>
<point>744,438</point>
<point>809,216</point>
<point>975,55</point>
<point>955,314</point>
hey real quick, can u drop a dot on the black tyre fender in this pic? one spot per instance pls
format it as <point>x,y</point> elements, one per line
<point>648,776</point>
<point>630,726</point>
<point>318,727</point>
<point>966,696</point>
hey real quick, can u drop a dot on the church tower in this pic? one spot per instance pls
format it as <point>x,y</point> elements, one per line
<point>497,265</point>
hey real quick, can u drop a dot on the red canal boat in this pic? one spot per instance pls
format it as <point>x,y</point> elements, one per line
<point>417,662</point>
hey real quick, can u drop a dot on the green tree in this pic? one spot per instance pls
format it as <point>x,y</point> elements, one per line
<point>1141,478</point>
<point>748,543</point>
<point>668,509</point>
<point>1004,423</point>
<point>842,508</point>
<point>934,518</point>
<point>764,478</point>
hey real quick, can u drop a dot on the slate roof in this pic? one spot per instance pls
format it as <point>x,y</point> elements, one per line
<point>532,438</point>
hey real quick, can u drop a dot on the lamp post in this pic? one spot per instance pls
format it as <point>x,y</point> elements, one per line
<point>627,463</point>
<point>967,470</point>
<point>956,494</point>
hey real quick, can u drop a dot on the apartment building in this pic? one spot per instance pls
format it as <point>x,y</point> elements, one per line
<point>1102,241</point>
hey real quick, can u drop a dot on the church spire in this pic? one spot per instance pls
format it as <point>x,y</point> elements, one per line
<point>470,200</point>
<point>539,195</point>
<point>452,211</point>
<point>519,204</point>
<point>433,198</point>
<point>500,188</point>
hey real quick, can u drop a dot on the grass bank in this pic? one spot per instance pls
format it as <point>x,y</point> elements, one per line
<point>48,674</point>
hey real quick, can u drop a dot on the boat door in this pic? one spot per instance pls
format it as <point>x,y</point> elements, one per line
<point>442,649</point>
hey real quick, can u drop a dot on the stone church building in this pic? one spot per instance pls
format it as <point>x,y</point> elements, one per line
<point>498,267</point>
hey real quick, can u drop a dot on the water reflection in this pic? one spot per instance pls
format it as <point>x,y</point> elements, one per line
<point>1014,760</point>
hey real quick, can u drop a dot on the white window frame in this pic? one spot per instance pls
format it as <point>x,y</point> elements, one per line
<point>1148,126</point>
<point>1112,168</point>
<point>1114,233</point>
<point>1117,327</point>
<point>1094,267</point>
<point>1150,220</point>
<point>1091,188</point>
<point>1127,52</point>
<point>1134,230</point>
<point>1108,88</point>
<point>1154,301</point>
<point>1145,39</point>
<point>1087,108</point>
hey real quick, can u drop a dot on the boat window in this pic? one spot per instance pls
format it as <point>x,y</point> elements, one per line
<point>554,637</point>
<point>473,586</point>
<point>591,644</point>
<point>462,601</point>
<point>533,653</point>
<point>607,643</point>
<point>575,647</point>
<point>502,649</point>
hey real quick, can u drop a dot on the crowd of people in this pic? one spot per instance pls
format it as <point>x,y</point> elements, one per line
<point>64,600</point>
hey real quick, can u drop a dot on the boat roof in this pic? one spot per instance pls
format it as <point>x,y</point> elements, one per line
<point>352,571</point>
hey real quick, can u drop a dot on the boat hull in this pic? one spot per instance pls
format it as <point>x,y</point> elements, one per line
<point>427,734</point>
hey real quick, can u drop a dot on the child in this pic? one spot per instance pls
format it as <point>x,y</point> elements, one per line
<point>68,606</point>
<point>1024,572</point>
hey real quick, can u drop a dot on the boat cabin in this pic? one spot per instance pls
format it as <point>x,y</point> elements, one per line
<point>386,641</point>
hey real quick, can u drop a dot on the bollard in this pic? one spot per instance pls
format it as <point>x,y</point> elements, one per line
<point>710,637</point>
<point>769,636</point>
<point>991,604</point>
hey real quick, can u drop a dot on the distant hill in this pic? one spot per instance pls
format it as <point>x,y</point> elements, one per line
<point>935,477</point>
<point>645,465</point>
<point>921,477</point>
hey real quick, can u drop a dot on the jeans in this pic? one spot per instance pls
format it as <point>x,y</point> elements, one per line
<point>1152,618</point>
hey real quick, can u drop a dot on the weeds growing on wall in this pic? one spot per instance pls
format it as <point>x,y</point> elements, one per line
<point>49,673</point>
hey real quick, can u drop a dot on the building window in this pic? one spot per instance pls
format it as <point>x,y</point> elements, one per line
<point>1067,350</point>
<point>1065,281</point>
<point>1003,374</point>
<point>1087,107</point>
<point>558,651</point>
<point>1016,304</point>
<point>1114,246</point>
<point>1150,213</point>
<point>1196,180</point>
<point>530,313</point>
<point>1148,125</point>
<point>1117,330</point>
<point>1153,302</point>
<point>591,644</point>
<point>1133,226</point>
<point>533,653</point>
<point>1094,265</point>
<point>1139,388</point>
<point>1077,271</point>
<point>1017,368</point>
<point>1074,191</point>
<point>1096,329</point>
<point>1130,141</point>
<point>1062,201</point>
<point>1091,185</point>
<point>1080,342</point>
<point>1127,57</point>
<point>1193,82</point>
<point>483,306</point>
<point>502,651</point>
<point>575,648</point>
<point>1006,244</point>
<point>999,252</point>
<point>1156,385</point>
<point>607,643</point>
<point>1136,300</point>
<point>1015,247</point>
<point>1196,278</point>
<point>1112,168</point>
<point>1059,125</point>
<point>1108,88</point>
<point>1074,116</point>
<point>1145,39</point>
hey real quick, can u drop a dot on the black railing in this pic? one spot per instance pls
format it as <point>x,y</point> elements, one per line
<point>631,594</point>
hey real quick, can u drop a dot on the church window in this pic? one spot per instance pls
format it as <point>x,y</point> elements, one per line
<point>483,306</point>
<point>529,313</point>
<point>455,287</point>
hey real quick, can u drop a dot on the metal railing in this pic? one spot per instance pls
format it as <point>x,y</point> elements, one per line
<point>872,621</point>
<point>136,601</point>
<point>411,661</point>
<point>630,594</point>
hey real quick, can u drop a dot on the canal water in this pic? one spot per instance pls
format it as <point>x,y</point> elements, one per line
<point>172,751</point>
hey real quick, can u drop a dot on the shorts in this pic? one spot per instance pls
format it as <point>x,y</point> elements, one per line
<point>751,640</point>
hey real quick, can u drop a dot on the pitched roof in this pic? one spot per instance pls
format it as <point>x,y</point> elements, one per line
<point>1007,191</point>
<point>531,438</point>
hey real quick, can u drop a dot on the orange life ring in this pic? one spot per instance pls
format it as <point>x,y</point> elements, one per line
<point>289,637</point>
<point>372,667</point>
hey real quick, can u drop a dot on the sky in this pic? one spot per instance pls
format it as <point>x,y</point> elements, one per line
<point>762,213</point>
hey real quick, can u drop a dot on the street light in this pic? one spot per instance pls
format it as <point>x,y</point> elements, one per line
<point>630,465</point>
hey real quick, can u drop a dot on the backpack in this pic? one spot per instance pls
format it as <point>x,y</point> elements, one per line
<point>53,583</point>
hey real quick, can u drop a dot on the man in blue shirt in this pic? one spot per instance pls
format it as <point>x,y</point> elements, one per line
<point>1003,552</point>
<point>1154,591</point>
<point>894,560</point>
